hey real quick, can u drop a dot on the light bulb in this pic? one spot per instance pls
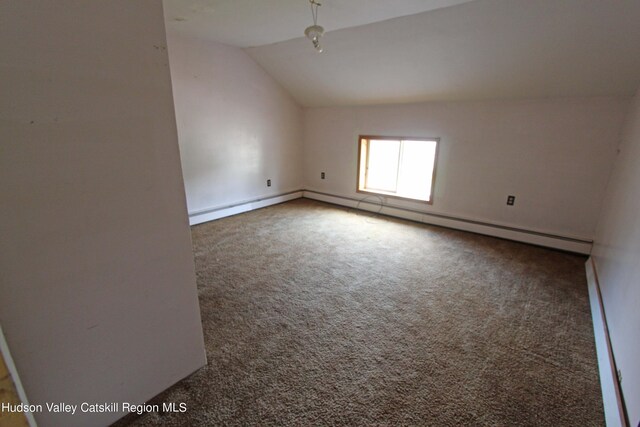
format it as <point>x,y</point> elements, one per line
<point>316,44</point>
<point>314,33</point>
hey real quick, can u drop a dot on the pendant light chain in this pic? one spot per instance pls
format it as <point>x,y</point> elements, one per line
<point>315,31</point>
<point>314,11</point>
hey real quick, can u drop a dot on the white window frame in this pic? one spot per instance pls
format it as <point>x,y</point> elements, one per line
<point>363,166</point>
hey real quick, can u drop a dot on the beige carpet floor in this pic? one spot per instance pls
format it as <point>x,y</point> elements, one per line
<point>317,315</point>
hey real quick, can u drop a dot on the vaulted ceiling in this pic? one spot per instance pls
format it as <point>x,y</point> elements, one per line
<point>246,23</point>
<point>397,51</point>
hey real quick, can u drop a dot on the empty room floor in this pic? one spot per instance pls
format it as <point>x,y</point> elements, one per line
<point>315,314</point>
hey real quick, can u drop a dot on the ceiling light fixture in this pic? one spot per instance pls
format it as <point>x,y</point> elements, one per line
<point>315,31</point>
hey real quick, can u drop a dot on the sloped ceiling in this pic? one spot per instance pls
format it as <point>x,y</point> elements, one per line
<point>482,49</point>
<point>245,23</point>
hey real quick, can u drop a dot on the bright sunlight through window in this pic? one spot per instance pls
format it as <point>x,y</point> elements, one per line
<point>399,167</point>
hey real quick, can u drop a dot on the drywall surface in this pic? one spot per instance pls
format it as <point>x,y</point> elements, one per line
<point>553,155</point>
<point>616,254</point>
<point>236,126</point>
<point>97,295</point>
<point>479,50</point>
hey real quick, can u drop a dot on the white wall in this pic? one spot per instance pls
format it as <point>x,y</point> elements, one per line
<point>553,155</point>
<point>97,294</point>
<point>616,254</point>
<point>237,127</point>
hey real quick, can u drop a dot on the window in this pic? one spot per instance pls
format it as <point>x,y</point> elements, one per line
<point>397,167</point>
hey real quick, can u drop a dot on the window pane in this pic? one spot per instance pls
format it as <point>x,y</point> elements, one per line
<point>382,173</point>
<point>416,169</point>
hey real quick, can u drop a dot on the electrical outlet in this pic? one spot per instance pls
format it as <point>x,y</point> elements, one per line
<point>511,200</point>
<point>321,175</point>
<point>268,183</point>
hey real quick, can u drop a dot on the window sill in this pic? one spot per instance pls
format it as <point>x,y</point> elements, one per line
<point>393,196</point>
